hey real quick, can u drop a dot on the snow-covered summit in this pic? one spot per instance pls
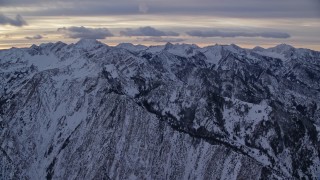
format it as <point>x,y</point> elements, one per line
<point>88,44</point>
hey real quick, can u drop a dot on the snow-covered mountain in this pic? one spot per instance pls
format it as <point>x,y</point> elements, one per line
<point>92,111</point>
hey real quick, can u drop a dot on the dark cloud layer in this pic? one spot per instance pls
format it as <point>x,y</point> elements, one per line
<point>17,21</point>
<point>38,36</point>
<point>217,33</point>
<point>85,33</point>
<point>162,39</point>
<point>218,8</point>
<point>147,31</point>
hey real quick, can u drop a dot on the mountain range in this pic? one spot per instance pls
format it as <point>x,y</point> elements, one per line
<point>176,111</point>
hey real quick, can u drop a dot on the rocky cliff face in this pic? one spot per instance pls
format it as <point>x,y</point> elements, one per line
<point>90,111</point>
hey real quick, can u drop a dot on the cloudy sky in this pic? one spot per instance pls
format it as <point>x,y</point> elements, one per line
<point>247,23</point>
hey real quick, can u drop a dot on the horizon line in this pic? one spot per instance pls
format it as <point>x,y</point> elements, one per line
<point>200,45</point>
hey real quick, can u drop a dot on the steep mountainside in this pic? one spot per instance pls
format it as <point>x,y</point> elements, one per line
<point>90,111</point>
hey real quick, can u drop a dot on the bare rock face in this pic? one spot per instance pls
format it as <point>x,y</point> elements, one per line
<point>90,111</point>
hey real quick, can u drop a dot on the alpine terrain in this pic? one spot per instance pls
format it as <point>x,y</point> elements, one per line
<point>177,111</point>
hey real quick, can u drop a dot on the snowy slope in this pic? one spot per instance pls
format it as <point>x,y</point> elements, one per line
<point>91,111</point>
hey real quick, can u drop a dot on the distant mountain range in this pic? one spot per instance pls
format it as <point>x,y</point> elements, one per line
<point>177,111</point>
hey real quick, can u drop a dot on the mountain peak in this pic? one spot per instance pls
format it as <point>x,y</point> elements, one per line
<point>168,45</point>
<point>125,44</point>
<point>234,48</point>
<point>89,43</point>
<point>258,48</point>
<point>282,47</point>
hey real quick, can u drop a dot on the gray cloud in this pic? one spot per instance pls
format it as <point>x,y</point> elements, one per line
<point>147,31</point>
<point>143,7</point>
<point>17,21</point>
<point>162,39</point>
<point>216,8</point>
<point>217,33</point>
<point>85,33</point>
<point>38,36</point>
